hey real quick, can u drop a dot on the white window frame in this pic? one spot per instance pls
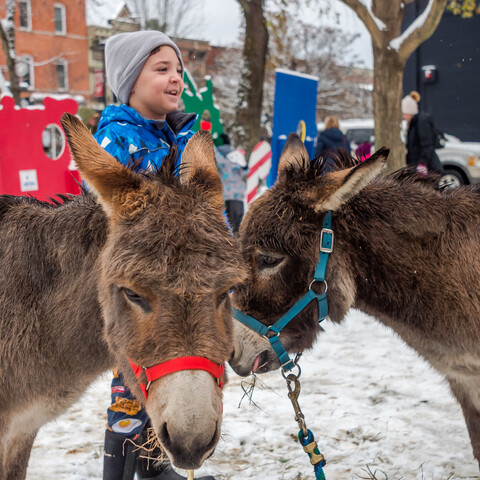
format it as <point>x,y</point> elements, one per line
<point>28,59</point>
<point>28,28</point>
<point>63,62</point>
<point>62,8</point>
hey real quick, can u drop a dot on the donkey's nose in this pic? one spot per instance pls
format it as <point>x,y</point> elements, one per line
<point>188,452</point>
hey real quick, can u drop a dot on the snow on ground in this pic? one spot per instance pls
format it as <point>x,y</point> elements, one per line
<point>372,404</point>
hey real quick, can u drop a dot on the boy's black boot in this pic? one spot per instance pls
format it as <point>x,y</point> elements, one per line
<point>119,460</point>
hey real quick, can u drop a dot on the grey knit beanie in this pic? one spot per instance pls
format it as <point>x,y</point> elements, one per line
<point>125,56</point>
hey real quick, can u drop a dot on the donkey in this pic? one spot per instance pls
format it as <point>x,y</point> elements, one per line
<point>403,252</point>
<point>138,272</point>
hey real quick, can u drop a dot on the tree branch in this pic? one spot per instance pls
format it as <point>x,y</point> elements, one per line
<point>421,29</point>
<point>366,16</point>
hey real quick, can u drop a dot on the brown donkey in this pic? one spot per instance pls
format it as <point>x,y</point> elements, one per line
<point>141,274</point>
<point>403,252</point>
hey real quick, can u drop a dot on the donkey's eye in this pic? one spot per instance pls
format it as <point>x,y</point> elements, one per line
<point>137,299</point>
<point>264,261</point>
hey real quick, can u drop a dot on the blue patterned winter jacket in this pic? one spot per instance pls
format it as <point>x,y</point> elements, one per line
<point>129,137</point>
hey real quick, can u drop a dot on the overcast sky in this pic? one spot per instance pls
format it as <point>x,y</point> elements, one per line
<point>222,21</point>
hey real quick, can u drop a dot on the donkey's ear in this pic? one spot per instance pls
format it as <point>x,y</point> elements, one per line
<point>347,183</point>
<point>294,155</point>
<point>199,166</point>
<point>103,173</point>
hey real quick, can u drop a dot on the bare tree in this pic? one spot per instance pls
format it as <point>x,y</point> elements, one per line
<point>250,90</point>
<point>391,49</point>
<point>174,17</point>
<point>7,35</point>
<point>322,51</point>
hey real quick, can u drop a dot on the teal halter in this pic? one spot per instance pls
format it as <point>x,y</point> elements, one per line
<point>272,332</point>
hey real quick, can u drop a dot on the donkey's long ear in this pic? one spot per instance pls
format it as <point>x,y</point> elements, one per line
<point>199,166</point>
<point>347,183</point>
<point>294,155</point>
<point>103,173</point>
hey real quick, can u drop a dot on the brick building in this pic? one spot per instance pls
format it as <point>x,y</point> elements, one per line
<point>52,48</point>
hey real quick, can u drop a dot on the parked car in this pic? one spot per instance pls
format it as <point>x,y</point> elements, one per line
<point>460,160</point>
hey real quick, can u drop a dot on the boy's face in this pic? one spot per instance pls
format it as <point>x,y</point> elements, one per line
<point>159,86</point>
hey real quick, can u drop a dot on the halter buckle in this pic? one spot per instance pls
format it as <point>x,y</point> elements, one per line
<point>326,248</point>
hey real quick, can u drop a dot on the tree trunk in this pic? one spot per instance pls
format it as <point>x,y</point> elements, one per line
<point>250,90</point>
<point>387,97</point>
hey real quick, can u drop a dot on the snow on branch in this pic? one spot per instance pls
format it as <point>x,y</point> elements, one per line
<point>364,11</point>
<point>420,29</point>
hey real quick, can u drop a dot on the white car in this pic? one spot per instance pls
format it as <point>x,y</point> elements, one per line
<point>460,160</point>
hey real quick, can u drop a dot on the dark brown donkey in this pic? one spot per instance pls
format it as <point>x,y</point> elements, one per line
<point>141,273</point>
<point>403,252</point>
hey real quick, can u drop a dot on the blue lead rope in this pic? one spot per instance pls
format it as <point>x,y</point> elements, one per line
<point>316,458</point>
<point>272,332</point>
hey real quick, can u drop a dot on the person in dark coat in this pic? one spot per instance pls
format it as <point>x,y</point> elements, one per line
<point>331,139</point>
<point>421,136</point>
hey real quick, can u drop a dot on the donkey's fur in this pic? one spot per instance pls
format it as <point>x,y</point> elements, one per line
<point>404,252</point>
<point>142,273</point>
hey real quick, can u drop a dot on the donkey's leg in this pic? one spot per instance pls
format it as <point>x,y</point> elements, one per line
<point>17,455</point>
<point>468,395</point>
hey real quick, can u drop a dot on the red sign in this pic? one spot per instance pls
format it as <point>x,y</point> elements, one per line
<point>34,156</point>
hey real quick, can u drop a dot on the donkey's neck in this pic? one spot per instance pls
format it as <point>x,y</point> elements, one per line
<point>54,252</point>
<point>403,249</point>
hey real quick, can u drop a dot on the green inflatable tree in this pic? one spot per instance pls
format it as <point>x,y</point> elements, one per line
<point>200,101</point>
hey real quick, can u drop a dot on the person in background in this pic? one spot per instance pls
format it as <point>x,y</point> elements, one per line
<point>145,71</point>
<point>232,167</point>
<point>331,139</point>
<point>421,136</point>
<point>364,150</point>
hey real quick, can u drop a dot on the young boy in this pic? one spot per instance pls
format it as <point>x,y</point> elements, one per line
<point>145,71</point>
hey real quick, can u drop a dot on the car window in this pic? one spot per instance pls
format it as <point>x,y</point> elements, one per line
<point>359,135</point>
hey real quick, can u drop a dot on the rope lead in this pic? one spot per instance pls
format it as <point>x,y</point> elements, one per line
<point>316,458</point>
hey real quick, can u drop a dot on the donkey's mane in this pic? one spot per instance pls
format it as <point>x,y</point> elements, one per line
<point>341,160</point>
<point>165,173</point>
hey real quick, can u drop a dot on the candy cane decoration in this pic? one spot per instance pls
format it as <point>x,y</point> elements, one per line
<point>258,168</point>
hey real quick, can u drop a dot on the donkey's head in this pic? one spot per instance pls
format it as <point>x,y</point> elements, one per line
<point>164,275</point>
<point>280,237</point>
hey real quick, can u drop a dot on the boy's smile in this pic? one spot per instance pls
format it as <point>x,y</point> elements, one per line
<point>159,86</point>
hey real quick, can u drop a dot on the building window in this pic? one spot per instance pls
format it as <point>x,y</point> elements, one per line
<point>25,13</point>
<point>62,74</point>
<point>25,72</point>
<point>60,19</point>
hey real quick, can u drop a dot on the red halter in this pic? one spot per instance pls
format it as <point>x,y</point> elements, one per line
<point>176,365</point>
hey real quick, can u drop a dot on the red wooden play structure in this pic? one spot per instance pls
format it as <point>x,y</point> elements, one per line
<point>34,156</point>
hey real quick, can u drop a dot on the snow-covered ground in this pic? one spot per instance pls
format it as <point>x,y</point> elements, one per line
<point>372,404</point>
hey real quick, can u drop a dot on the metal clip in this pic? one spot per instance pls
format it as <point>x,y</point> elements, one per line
<point>293,396</point>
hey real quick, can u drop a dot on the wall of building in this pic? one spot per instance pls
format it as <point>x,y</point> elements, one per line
<point>453,98</point>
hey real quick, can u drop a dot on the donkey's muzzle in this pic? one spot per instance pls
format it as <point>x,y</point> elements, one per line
<point>188,453</point>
